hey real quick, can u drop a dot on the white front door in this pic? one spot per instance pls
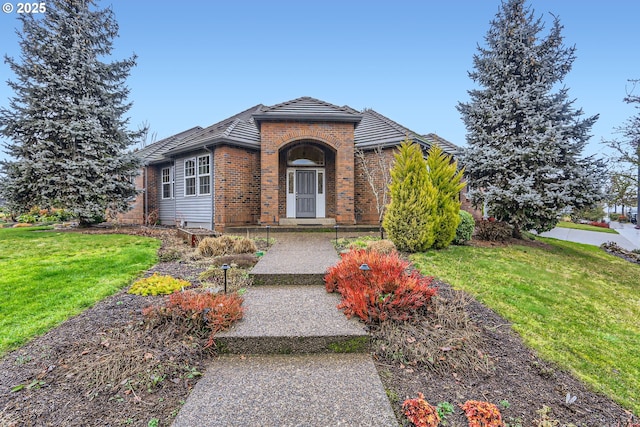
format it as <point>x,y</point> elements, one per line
<point>306,193</point>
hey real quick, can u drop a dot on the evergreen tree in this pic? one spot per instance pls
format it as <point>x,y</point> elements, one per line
<point>524,135</point>
<point>408,217</point>
<point>447,180</point>
<point>65,123</point>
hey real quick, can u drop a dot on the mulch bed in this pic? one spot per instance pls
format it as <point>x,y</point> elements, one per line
<point>104,368</point>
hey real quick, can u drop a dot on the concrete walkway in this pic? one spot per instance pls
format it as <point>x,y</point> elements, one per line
<point>628,237</point>
<point>284,363</point>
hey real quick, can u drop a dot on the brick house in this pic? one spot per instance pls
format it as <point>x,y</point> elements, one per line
<point>291,163</point>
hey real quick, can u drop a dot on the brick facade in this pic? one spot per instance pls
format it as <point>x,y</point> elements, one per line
<point>366,206</point>
<point>137,214</point>
<point>236,177</point>
<point>336,139</point>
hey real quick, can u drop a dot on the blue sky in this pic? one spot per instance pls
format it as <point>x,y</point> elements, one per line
<point>202,61</point>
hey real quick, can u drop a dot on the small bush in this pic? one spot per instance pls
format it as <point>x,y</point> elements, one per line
<point>381,246</point>
<point>212,246</point>
<point>465,229</point>
<point>599,224</point>
<point>420,413</point>
<point>614,216</point>
<point>387,291</point>
<point>157,285</point>
<point>482,414</point>
<point>244,246</point>
<point>198,311</point>
<point>623,218</point>
<point>492,230</point>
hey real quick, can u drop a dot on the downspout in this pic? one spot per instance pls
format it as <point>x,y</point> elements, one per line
<point>173,191</point>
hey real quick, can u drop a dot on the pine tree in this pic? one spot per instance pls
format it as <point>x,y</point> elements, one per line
<point>524,135</point>
<point>65,123</point>
<point>408,217</point>
<point>447,180</point>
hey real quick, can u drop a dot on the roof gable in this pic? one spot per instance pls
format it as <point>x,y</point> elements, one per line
<point>307,109</point>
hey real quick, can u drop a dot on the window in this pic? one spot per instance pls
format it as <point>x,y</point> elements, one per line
<point>190,177</point>
<point>197,181</point>
<point>167,183</point>
<point>204,177</point>
<point>320,183</point>
<point>305,155</point>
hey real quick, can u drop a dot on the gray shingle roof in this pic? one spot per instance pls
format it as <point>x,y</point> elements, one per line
<point>447,146</point>
<point>239,129</point>
<point>372,129</point>
<point>307,108</point>
<point>154,153</point>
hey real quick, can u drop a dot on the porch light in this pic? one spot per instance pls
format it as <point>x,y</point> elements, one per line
<point>225,267</point>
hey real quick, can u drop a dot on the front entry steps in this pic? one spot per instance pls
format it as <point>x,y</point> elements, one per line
<point>296,259</point>
<point>297,222</point>
<point>293,320</point>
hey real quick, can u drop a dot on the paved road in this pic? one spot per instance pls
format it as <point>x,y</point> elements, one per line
<point>628,237</point>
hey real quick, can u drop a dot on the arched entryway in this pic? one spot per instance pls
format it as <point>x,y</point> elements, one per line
<point>305,169</point>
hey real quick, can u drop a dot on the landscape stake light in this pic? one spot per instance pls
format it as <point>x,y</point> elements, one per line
<point>365,268</point>
<point>225,267</point>
<point>268,228</point>
<point>336,228</point>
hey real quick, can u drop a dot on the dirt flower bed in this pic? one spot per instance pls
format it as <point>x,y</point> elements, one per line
<point>104,367</point>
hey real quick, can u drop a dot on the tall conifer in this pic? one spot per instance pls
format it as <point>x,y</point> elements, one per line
<point>65,125</point>
<point>413,197</point>
<point>443,173</point>
<point>525,137</point>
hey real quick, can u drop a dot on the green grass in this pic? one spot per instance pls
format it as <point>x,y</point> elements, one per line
<point>48,276</point>
<point>567,224</point>
<point>575,304</point>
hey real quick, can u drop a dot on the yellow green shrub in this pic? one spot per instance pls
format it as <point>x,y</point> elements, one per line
<point>158,285</point>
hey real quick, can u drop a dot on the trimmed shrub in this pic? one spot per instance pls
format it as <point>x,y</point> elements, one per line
<point>198,312</point>
<point>386,291</point>
<point>465,229</point>
<point>482,414</point>
<point>599,224</point>
<point>493,231</point>
<point>244,246</point>
<point>420,413</point>
<point>381,246</point>
<point>157,285</point>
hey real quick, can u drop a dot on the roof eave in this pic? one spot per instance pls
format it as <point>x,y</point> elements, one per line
<point>297,117</point>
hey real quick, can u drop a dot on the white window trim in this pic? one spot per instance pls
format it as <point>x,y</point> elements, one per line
<point>171,183</point>
<point>197,175</point>
<point>194,176</point>
<point>203,175</point>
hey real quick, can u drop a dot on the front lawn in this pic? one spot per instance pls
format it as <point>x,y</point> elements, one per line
<point>574,304</point>
<point>573,225</point>
<point>48,276</point>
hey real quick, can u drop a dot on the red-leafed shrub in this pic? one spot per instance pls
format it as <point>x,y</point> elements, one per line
<point>420,413</point>
<point>482,414</point>
<point>599,224</point>
<point>386,291</point>
<point>198,311</point>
